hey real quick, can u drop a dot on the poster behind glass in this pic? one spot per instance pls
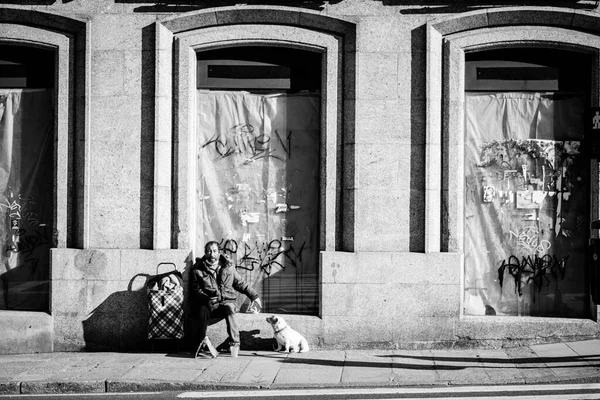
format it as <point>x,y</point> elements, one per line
<point>525,205</point>
<point>26,197</point>
<point>258,191</point>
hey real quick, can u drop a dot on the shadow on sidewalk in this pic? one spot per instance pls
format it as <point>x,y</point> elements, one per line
<point>362,364</point>
<point>524,360</point>
<point>438,363</point>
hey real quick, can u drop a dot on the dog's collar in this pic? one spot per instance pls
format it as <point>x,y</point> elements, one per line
<point>281,329</point>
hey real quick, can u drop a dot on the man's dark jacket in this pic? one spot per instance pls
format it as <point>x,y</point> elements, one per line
<point>213,289</point>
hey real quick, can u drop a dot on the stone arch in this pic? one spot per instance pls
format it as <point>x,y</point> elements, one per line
<point>516,16</point>
<point>263,15</point>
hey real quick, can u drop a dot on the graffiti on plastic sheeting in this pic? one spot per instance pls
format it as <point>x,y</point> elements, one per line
<point>532,268</point>
<point>242,139</point>
<point>264,256</point>
<point>527,240</point>
<point>24,241</point>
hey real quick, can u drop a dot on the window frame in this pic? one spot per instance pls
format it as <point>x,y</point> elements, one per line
<point>447,42</point>
<point>180,93</point>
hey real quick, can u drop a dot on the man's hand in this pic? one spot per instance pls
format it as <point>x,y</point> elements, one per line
<point>255,307</point>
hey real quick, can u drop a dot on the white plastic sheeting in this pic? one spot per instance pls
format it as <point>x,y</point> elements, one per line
<point>26,193</point>
<point>258,191</point>
<point>526,205</point>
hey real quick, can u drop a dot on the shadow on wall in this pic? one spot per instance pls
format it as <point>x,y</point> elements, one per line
<point>252,341</point>
<point>179,6</point>
<point>147,138</point>
<point>443,7</point>
<point>29,2</point>
<point>417,128</point>
<point>121,321</point>
<point>420,6</point>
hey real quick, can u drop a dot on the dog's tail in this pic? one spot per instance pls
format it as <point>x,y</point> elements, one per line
<point>303,346</point>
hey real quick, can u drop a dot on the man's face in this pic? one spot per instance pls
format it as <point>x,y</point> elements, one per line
<point>212,253</point>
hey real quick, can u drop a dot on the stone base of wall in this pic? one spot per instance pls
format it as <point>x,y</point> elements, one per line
<point>99,300</point>
<point>367,300</point>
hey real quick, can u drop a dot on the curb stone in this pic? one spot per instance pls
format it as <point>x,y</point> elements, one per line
<point>108,386</point>
<point>32,387</point>
<point>165,386</point>
<point>10,388</point>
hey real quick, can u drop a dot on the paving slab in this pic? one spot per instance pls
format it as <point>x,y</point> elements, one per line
<point>310,369</point>
<point>11,368</point>
<point>106,373</point>
<point>367,366</point>
<point>74,368</point>
<point>562,360</point>
<point>225,368</point>
<point>499,368</point>
<point>138,373</point>
<point>262,369</point>
<point>123,358</point>
<point>589,350</point>
<point>530,366</point>
<point>45,370</point>
<point>415,367</point>
<point>458,367</point>
<point>179,367</point>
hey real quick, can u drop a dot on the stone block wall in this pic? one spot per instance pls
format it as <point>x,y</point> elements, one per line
<point>391,194</point>
<point>99,299</point>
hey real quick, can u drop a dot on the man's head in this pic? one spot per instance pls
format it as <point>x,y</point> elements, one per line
<point>211,251</point>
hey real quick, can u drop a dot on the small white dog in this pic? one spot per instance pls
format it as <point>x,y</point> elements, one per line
<point>287,338</point>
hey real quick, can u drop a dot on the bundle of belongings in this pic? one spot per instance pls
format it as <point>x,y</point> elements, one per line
<point>165,306</point>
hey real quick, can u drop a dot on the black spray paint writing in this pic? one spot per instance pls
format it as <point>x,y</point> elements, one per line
<point>532,268</point>
<point>264,256</point>
<point>241,139</point>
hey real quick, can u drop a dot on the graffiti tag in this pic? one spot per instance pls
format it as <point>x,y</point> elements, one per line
<point>533,268</point>
<point>263,256</point>
<point>253,146</point>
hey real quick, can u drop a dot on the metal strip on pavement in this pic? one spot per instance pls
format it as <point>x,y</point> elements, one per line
<point>461,392</point>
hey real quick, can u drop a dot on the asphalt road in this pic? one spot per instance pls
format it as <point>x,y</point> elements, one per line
<point>503,392</point>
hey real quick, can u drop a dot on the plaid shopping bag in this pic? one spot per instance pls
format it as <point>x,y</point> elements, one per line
<point>166,313</point>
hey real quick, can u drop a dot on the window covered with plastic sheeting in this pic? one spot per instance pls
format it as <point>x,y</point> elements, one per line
<point>526,205</point>
<point>258,191</point>
<point>26,197</point>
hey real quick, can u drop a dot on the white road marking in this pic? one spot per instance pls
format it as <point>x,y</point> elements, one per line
<point>463,391</point>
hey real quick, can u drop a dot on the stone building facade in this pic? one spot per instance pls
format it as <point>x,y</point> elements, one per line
<point>384,173</point>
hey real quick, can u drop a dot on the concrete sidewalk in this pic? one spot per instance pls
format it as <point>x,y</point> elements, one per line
<point>573,362</point>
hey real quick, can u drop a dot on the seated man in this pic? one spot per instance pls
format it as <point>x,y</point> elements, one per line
<point>214,287</point>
